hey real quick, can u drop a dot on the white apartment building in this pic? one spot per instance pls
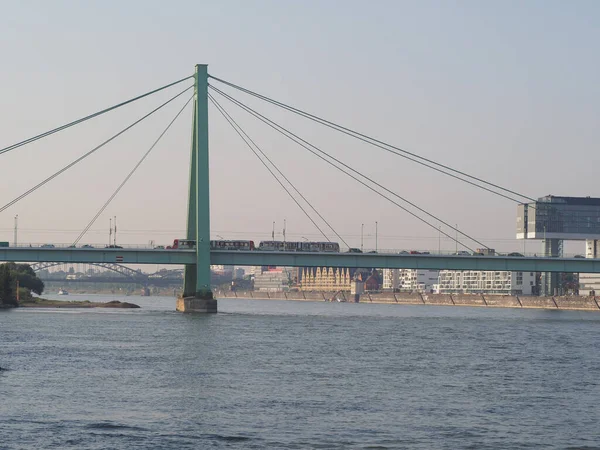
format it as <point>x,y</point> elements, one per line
<point>590,282</point>
<point>485,282</point>
<point>409,280</point>
<point>274,280</point>
<point>390,279</point>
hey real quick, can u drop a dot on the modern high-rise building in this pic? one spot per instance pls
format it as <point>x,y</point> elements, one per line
<point>556,219</point>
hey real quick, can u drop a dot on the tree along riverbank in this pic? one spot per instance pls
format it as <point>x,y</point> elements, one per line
<point>17,282</point>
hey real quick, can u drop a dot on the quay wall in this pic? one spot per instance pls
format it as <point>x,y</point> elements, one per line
<point>482,300</point>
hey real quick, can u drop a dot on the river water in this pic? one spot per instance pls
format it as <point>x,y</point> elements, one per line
<point>290,375</point>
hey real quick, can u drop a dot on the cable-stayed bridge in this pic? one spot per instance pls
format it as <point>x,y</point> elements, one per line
<point>302,259</point>
<point>197,260</point>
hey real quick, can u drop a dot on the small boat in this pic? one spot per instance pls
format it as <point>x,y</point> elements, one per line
<point>63,292</point>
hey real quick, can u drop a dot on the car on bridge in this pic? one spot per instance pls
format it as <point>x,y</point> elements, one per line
<point>48,246</point>
<point>87,246</point>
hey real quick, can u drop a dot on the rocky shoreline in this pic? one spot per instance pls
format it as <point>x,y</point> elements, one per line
<point>42,303</point>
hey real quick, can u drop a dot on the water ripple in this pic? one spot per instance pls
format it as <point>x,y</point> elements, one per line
<point>297,375</point>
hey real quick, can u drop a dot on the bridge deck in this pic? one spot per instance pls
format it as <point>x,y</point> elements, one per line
<point>301,259</point>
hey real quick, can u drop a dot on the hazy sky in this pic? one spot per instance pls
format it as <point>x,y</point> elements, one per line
<point>504,90</point>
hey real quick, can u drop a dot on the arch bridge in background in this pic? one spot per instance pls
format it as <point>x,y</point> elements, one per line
<point>134,275</point>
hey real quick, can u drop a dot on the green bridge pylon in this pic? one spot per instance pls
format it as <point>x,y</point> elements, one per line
<point>197,295</point>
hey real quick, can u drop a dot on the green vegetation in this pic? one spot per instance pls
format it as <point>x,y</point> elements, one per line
<point>18,276</point>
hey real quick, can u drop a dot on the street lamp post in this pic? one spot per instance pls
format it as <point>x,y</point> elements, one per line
<point>362,230</point>
<point>375,235</point>
<point>456,239</point>
<point>273,232</point>
<point>16,228</point>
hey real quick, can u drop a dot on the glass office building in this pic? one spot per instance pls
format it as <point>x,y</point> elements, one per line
<point>565,218</point>
<point>555,219</point>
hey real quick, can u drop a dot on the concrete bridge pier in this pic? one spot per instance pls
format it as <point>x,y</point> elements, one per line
<point>197,296</point>
<point>196,305</point>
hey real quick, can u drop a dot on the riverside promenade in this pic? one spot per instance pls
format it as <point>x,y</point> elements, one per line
<point>492,301</point>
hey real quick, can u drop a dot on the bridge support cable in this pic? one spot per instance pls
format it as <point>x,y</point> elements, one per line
<point>81,158</point>
<point>91,116</point>
<point>247,140</point>
<point>225,113</point>
<point>308,146</point>
<point>385,146</point>
<point>114,194</point>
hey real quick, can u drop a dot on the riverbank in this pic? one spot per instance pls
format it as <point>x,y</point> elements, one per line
<point>43,303</point>
<point>492,301</point>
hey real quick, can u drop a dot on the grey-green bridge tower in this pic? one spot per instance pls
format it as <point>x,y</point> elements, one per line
<point>197,295</point>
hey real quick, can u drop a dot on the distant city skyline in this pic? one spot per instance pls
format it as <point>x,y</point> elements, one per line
<point>504,91</point>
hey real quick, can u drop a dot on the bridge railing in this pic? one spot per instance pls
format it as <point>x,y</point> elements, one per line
<point>81,246</point>
<point>467,253</point>
<point>381,251</point>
